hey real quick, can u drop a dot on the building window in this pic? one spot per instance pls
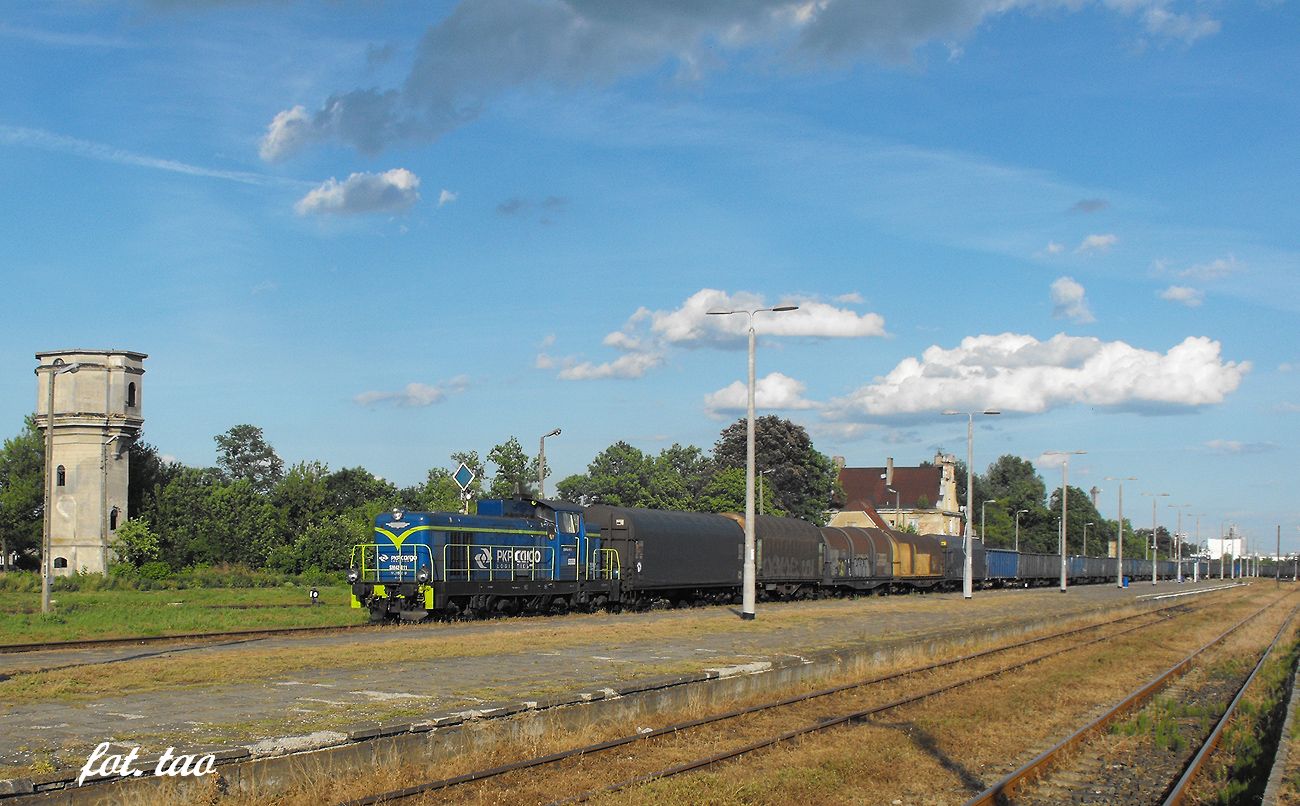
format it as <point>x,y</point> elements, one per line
<point>130,395</point>
<point>60,562</point>
<point>112,518</point>
<point>60,476</point>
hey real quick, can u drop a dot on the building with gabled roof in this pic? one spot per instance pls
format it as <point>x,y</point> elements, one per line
<point>921,499</point>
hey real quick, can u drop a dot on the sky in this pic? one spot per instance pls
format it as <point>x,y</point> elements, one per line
<point>387,231</point>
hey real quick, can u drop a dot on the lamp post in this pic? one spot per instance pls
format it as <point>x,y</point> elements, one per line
<point>541,462</point>
<point>1065,497</point>
<point>1019,512</point>
<point>749,593</point>
<point>967,572</point>
<point>760,488</point>
<point>1085,537</point>
<point>1155,545</point>
<point>1119,544</point>
<point>55,370</point>
<point>983,506</point>
<point>897,506</point>
<point>1178,542</point>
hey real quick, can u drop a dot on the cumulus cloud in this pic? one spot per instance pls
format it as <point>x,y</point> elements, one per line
<point>487,48</point>
<point>1069,301</point>
<point>775,391</point>
<point>1191,297</point>
<point>1096,243</point>
<point>390,192</point>
<point>446,197</point>
<point>415,395</point>
<point>1233,447</point>
<point>1018,373</point>
<point>647,336</point>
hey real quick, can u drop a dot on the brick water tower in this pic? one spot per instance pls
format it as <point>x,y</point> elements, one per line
<point>97,414</point>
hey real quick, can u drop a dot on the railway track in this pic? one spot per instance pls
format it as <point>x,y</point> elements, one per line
<point>1082,769</point>
<point>812,712</point>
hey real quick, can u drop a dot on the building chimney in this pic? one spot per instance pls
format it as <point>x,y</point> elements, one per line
<point>889,471</point>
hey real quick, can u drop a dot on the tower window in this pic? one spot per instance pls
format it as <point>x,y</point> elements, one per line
<point>130,395</point>
<point>60,476</point>
<point>60,562</point>
<point>112,518</point>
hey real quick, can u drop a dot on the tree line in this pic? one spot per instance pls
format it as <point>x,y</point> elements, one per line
<point>251,509</point>
<point>1011,485</point>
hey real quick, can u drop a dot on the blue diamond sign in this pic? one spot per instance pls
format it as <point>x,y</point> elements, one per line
<point>463,476</point>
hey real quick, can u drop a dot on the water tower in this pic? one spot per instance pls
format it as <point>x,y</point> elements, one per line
<point>97,414</point>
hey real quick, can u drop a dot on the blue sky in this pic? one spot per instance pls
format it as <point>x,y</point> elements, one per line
<point>388,231</point>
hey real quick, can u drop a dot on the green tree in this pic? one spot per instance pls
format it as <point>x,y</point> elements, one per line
<point>516,473</point>
<point>618,476</point>
<point>136,543</point>
<point>22,492</point>
<point>244,453</point>
<point>803,479</point>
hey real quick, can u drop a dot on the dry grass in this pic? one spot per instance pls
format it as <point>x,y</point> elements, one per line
<point>786,776</point>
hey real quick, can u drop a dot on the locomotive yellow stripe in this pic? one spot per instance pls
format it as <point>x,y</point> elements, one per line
<point>398,540</point>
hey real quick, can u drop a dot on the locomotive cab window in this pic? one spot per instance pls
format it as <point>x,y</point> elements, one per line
<point>567,522</point>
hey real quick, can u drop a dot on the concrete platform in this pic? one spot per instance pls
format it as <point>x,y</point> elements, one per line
<point>405,679</point>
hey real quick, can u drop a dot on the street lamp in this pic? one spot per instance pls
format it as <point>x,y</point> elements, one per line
<point>55,370</point>
<point>541,462</point>
<point>1178,542</point>
<point>1119,545</point>
<point>1155,545</point>
<point>1065,497</point>
<point>749,594</point>
<point>1019,512</point>
<point>983,505</point>
<point>967,571</point>
<point>1085,537</point>
<point>896,504</point>
<point>760,488</point>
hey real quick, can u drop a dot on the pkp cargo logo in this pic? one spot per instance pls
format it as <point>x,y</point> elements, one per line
<point>483,559</point>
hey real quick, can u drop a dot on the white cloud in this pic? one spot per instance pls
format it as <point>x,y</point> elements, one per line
<point>1069,301</point>
<point>1191,297</point>
<point>1096,243</point>
<point>484,49</point>
<point>446,197</point>
<point>1018,373</point>
<point>391,191</point>
<point>1232,447</point>
<point>1053,248</point>
<point>415,395</point>
<point>287,132</point>
<point>648,335</point>
<point>692,325</point>
<point>49,141</point>
<point>851,298</point>
<point>775,391</point>
<point>1216,269</point>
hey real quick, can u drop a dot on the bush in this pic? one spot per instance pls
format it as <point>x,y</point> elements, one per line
<point>155,569</point>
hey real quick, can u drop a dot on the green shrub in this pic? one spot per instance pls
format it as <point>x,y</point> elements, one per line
<point>155,569</point>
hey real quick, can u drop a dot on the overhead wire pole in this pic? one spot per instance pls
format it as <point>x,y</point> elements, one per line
<point>1155,544</point>
<point>749,594</point>
<point>55,370</point>
<point>967,585</point>
<point>1119,544</point>
<point>1065,498</point>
